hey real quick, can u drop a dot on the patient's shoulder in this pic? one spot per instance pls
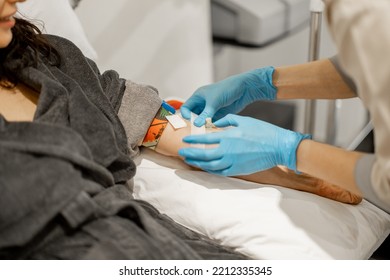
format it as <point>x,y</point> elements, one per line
<point>71,55</point>
<point>65,47</point>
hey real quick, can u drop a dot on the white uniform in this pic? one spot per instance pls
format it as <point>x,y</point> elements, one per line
<point>360,29</point>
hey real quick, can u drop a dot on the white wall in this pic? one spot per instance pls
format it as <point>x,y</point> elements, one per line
<point>163,43</point>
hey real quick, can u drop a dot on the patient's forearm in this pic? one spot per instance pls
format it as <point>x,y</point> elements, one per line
<point>284,177</point>
<point>171,139</point>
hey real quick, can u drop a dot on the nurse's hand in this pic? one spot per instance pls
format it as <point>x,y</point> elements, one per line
<point>230,95</point>
<point>249,146</point>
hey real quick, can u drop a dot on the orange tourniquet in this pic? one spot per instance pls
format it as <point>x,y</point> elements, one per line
<point>158,125</point>
<point>156,129</point>
<point>175,103</point>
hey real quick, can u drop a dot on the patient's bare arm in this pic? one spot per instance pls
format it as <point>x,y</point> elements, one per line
<point>171,141</point>
<point>282,176</point>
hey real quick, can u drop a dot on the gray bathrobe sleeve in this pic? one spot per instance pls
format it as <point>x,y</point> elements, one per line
<point>136,106</point>
<point>136,119</point>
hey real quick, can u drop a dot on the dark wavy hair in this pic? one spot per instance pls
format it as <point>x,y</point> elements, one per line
<point>27,47</point>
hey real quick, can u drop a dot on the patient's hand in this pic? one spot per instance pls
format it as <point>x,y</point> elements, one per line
<point>284,177</point>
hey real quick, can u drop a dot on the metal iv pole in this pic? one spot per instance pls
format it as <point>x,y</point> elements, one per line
<point>316,10</point>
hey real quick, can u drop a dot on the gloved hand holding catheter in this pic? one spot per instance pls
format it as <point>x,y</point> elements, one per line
<point>250,145</point>
<point>230,95</point>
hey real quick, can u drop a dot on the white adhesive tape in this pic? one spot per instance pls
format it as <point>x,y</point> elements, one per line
<point>176,121</point>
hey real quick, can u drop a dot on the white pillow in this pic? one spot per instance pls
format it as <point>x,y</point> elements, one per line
<point>58,18</point>
<point>261,221</point>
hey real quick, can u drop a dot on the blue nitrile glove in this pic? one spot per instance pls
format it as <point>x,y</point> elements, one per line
<point>230,95</point>
<point>249,146</point>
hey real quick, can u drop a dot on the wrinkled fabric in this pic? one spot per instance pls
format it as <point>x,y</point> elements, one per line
<point>360,29</point>
<point>64,177</point>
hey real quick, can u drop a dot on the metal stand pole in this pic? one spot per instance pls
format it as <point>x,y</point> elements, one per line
<point>316,9</point>
<point>331,125</point>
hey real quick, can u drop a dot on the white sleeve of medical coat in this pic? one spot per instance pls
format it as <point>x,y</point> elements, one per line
<point>360,29</point>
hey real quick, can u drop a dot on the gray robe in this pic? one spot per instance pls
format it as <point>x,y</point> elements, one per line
<point>64,177</point>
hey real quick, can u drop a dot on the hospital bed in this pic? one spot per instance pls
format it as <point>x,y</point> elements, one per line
<point>261,221</point>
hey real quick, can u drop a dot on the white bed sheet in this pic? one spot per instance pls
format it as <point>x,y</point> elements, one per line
<point>261,221</point>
